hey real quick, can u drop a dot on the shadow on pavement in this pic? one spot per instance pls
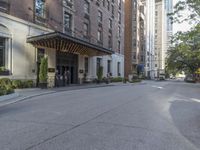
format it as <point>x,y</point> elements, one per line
<point>186,117</point>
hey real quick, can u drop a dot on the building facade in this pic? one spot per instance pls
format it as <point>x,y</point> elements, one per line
<point>150,39</point>
<point>169,24</point>
<point>134,36</point>
<point>76,36</point>
<point>160,37</point>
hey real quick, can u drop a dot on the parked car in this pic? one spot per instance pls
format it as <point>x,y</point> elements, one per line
<point>190,79</point>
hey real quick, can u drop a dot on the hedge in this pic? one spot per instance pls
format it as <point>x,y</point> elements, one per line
<point>7,86</point>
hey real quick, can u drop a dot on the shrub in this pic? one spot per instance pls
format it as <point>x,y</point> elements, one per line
<point>28,84</point>
<point>136,80</point>
<point>6,86</point>
<point>2,91</point>
<point>117,79</point>
<point>100,73</point>
<point>43,74</point>
<point>17,84</point>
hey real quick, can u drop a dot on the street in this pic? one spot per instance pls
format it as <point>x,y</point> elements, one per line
<point>143,116</point>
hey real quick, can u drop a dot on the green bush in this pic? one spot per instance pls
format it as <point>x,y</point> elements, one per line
<point>2,91</point>
<point>43,74</point>
<point>6,86</point>
<point>5,82</point>
<point>17,84</point>
<point>100,73</point>
<point>117,79</point>
<point>28,84</point>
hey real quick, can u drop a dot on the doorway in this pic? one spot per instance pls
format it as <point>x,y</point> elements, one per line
<point>67,69</point>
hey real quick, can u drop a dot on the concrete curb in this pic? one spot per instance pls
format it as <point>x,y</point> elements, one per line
<point>8,97</point>
<point>12,100</point>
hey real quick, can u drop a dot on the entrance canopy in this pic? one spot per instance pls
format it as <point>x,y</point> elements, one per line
<point>67,43</point>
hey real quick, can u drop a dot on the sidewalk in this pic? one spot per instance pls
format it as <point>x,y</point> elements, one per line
<point>23,94</point>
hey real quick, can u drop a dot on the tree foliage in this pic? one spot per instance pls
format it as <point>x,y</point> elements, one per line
<point>186,10</point>
<point>185,54</point>
<point>43,74</point>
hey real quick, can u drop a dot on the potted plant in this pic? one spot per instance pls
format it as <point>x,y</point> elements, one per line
<point>100,74</point>
<point>43,74</point>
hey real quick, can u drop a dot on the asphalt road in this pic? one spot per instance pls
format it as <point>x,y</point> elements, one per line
<point>150,116</point>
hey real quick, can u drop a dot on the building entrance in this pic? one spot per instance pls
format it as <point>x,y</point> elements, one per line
<point>67,69</point>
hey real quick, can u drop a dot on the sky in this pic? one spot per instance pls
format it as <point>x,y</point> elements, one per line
<point>180,27</point>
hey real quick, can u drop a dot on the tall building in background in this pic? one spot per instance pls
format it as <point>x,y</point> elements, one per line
<point>150,38</point>
<point>160,37</point>
<point>169,25</point>
<point>134,36</point>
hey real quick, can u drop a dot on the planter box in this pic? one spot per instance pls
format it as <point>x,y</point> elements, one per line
<point>5,73</point>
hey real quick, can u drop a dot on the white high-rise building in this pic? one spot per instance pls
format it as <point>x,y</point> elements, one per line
<point>150,37</point>
<point>160,37</point>
<point>169,25</point>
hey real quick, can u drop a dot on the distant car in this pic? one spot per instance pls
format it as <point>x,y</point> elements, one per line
<point>161,76</point>
<point>190,79</point>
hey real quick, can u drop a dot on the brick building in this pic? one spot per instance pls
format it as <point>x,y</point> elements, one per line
<point>78,36</point>
<point>135,35</point>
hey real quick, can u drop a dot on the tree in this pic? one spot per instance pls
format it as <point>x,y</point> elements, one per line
<point>189,6</point>
<point>185,54</point>
<point>43,74</point>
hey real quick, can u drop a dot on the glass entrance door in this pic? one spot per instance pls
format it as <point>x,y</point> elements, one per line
<point>67,68</point>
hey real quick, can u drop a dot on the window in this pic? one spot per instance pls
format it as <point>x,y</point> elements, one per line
<point>99,35</point>
<point>134,55</point>
<point>119,17</point>
<point>118,69</point>
<point>119,46</point>
<point>110,41</point>
<point>119,3</point>
<point>100,16</point>
<point>113,10</point>
<point>119,31</point>
<point>86,64</point>
<point>104,3</point>
<point>86,7</point>
<point>40,8</point>
<point>98,64</point>
<point>108,6</point>
<point>86,29</point>
<point>2,52</point>
<point>67,3</point>
<point>109,66</point>
<point>155,65</point>
<point>67,22</point>
<point>110,23</point>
